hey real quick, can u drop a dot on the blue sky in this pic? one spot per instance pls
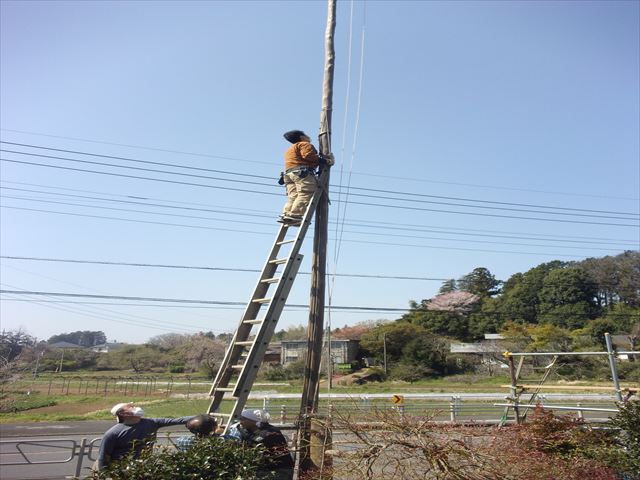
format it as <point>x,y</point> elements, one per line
<point>530,105</point>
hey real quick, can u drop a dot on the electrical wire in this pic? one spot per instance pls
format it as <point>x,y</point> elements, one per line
<point>181,300</point>
<point>414,179</point>
<point>244,175</point>
<point>362,223</point>
<point>403,207</point>
<point>560,255</point>
<point>195,267</point>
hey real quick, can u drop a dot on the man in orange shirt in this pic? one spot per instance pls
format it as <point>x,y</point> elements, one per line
<point>300,163</point>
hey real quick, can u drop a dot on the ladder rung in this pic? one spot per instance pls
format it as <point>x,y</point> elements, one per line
<point>271,280</point>
<point>237,367</point>
<point>261,300</point>
<point>278,261</point>
<point>242,344</point>
<point>216,414</point>
<point>225,389</point>
<point>253,322</point>
<point>284,242</point>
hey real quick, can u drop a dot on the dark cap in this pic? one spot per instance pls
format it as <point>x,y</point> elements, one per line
<point>294,136</point>
<point>201,425</point>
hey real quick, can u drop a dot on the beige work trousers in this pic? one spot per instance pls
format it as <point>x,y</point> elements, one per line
<point>300,191</point>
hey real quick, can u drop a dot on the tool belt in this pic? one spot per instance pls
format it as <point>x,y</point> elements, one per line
<point>301,171</point>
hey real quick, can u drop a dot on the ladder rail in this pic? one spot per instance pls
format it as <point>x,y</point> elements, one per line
<point>258,346</point>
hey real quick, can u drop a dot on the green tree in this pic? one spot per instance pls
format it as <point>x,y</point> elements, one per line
<point>616,278</point>
<point>520,300</point>
<point>480,282</point>
<point>13,343</point>
<point>549,338</point>
<point>395,334</point>
<point>84,338</point>
<point>427,350</point>
<point>448,286</point>
<point>567,298</point>
<point>448,324</point>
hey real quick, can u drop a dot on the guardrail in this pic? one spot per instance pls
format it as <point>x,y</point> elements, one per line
<point>74,450</point>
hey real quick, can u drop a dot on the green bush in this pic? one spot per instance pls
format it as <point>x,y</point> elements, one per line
<point>208,458</point>
<point>23,401</point>
<point>629,371</point>
<point>628,421</point>
<point>176,369</point>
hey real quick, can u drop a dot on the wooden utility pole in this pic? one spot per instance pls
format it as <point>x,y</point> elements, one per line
<point>310,391</point>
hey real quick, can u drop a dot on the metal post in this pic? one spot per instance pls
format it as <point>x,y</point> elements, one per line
<point>35,372</point>
<point>452,410</point>
<point>384,351</point>
<point>61,359</point>
<point>83,444</point>
<point>514,388</point>
<point>612,364</point>
<point>283,414</point>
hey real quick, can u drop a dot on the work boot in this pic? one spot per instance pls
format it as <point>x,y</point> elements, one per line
<point>292,219</point>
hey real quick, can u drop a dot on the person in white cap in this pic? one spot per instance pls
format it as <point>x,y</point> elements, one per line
<point>132,433</point>
<point>258,431</point>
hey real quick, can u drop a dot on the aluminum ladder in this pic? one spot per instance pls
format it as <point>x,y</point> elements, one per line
<point>246,351</point>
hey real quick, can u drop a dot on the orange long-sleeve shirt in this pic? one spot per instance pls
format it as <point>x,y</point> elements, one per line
<point>301,154</point>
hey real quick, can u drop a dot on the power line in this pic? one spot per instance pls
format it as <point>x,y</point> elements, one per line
<point>137,177</point>
<point>356,203</point>
<point>226,172</point>
<point>103,217</point>
<point>345,308</point>
<point>194,267</point>
<point>146,162</point>
<point>371,223</point>
<point>386,234</point>
<point>180,300</point>
<point>204,155</point>
<point>164,150</point>
<point>109,317</point>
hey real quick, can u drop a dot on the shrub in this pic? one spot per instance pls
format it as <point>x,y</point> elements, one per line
<point>628,421</point>
<point>208,458</point>
<point>176,369</point>
<point>24,401</point>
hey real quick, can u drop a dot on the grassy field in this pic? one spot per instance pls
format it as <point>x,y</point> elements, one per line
<point>89,396</point>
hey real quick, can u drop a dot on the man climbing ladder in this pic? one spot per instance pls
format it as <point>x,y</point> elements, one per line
<point>299,176</point>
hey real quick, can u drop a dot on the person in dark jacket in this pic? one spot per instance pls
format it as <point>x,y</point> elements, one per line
<point>257,431</point>
<point>132,433</point>
<point>201,426</point>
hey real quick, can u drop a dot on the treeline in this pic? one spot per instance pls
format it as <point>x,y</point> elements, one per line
<point>556,306</point>
<point>566,295</point>
<point>84,338</point>
<point>199,353</point>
